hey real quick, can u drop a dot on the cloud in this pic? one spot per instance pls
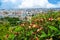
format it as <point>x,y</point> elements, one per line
<point>26,4</point>
<point>13,1</point>
<point>8,4</point>
<point>37,4</point>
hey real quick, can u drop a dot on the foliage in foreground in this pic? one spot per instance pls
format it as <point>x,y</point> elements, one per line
<point>40,27</point>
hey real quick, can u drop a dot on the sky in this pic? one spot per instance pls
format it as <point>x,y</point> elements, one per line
<point>16,4</point>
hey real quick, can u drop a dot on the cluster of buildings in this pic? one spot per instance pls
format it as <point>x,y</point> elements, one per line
<point>21,13</point>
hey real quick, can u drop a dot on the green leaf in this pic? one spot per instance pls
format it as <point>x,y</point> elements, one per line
<point>29,33</point>
<point>53,28</point>
<point>17,29</point>
<point>43,34</point>
<point>49,33</point>
<point>58,33</point>
<point>11,36</point>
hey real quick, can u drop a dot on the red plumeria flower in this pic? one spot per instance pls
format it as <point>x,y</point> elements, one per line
<point>39,29</point>
<point>50,19</point>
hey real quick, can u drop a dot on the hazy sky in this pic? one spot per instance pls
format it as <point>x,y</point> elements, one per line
<point>14,4</point>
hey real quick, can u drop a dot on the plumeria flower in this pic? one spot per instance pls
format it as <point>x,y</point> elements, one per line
<point>41,19</point>
<point>35,26</point>
<point>22,24</point>
<point>39,29</point>
<point>29,27</point>
<point>31,24</point>
<point>50,19</point>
